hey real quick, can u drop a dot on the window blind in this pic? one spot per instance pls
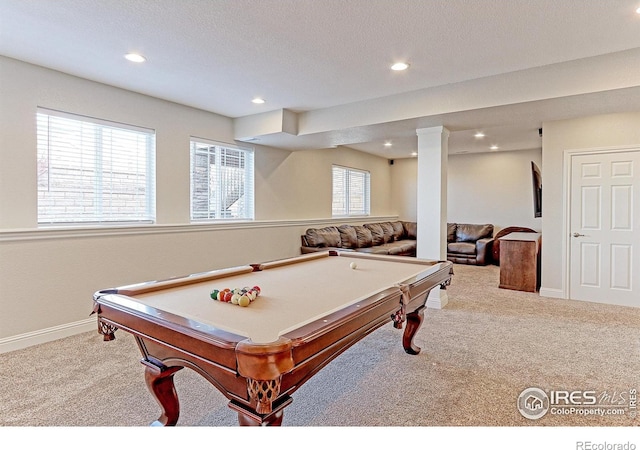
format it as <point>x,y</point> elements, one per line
<point>351,196</point>
<point>93,171</point>
<point>222,182</point>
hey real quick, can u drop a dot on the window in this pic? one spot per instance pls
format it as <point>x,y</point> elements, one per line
<point>93,171</point>
<point>350,192</point>
<point>221,182</point>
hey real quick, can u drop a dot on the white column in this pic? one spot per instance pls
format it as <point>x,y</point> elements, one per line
<point>433,150</point>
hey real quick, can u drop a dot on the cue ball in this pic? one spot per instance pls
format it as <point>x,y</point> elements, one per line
<point>353,265</point>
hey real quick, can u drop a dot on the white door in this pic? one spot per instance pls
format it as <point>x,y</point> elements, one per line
<point>605,227</point>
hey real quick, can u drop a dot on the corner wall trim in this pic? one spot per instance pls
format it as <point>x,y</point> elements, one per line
<point>25,340</point>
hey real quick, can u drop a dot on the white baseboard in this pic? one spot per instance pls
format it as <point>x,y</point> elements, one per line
<point>552,293</point>
<point>25,340</point>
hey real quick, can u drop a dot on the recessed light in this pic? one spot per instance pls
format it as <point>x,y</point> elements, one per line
<point>135,57</point>
<point>400,66</point>
<point>258,101</point>
<point>494,147</point>
<point>414,153</point>
<point>479,135</point>
<point>388,144</point>
<point>638,10</point>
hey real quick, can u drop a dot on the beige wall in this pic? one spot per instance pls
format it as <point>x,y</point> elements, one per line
<point>493,188</point>
<point>404,188</point>
<point>607,131</point>
<point>298,185</point>
<point>481,188</point>
<point>48,277</point>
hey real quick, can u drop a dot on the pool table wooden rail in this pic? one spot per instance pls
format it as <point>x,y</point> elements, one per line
<point>257,379</point>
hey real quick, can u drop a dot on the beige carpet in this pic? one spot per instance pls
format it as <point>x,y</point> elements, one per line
<point>479,354</point>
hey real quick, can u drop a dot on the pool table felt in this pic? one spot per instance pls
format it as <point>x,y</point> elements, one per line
<point>291,295</point>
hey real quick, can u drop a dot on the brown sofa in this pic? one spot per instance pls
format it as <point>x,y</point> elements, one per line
<point>387,238</point>
<point>469,243</point>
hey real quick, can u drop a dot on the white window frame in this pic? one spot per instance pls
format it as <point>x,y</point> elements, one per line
<point>346,193</point>
<point>80,160</point>
<point>219,194</point>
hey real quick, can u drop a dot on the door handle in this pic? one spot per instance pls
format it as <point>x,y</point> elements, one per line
<point>577,234</point>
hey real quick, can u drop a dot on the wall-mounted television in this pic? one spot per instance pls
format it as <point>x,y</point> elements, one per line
<point>536,177</point>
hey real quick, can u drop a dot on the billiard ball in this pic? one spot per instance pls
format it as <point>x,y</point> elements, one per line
<point>353,265</point>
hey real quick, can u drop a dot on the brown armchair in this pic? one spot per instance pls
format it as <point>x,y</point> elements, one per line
<point>469,243</point>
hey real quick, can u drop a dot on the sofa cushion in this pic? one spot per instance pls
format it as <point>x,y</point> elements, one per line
<point>376,250</point>
<point>377,233</point>
<point>323,237</point>
<point>465,248</point>
<point>403,247</point>
<point>451,232</point>
<point>392,249</point>
<point>348,237</point>
<point>471,232</point>
<point>398,230</point>
<point>410,230</point>
<point>363,235</point>
<point>408,245</point>
<point>388,231</point>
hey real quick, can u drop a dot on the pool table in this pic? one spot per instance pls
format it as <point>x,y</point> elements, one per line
<point>310,309</point>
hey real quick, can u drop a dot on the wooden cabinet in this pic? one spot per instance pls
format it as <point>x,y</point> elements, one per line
<point>520,261</point>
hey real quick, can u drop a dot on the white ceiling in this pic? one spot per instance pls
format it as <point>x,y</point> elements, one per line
<point>328,60</point>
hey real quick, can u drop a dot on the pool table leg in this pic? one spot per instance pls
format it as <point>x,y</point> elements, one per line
<point>249,417</point>
<point>275,420</point>
<point>414,322</point>
<point>159,380</point>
